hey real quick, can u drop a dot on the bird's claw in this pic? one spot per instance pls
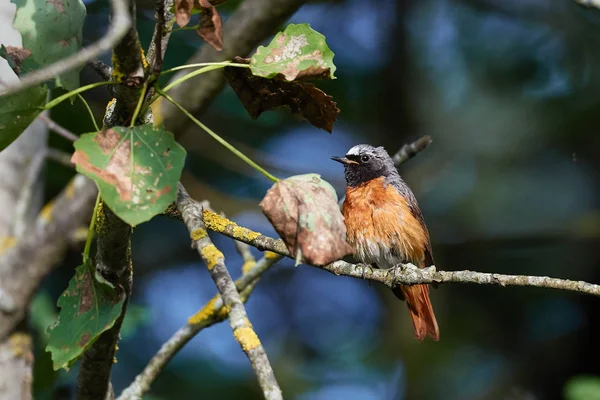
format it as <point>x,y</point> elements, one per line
<point>364,268</point>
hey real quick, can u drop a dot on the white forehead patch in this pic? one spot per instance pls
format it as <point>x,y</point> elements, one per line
<point>358,149</point>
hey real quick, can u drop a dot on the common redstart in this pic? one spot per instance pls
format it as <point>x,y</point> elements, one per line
<point>385,227</point>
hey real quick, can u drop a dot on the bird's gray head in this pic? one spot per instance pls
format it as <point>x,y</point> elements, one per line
<point>364,162</point>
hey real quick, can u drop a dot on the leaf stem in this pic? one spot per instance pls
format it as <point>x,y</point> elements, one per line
<point>218,138</point>
<point>191,75</point>
<point>207,64</point>
<point>72,93</point>
<point>90,237</point>
<point>85,103</point>
<point>138,107</point>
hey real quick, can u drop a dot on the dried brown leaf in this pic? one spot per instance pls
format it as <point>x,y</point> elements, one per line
<point>183,11</point>
<point>304,211</point>
<point>303,99</point>
<point>210,25</point>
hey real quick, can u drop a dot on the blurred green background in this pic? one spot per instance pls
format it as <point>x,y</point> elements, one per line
<point>508,90</point>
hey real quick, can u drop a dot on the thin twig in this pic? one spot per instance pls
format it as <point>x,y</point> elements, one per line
<point>120,23</point>
<point>103,70</point>
<point>30,258</point>
<point>410,150</point>
<point>213,312</point>
<point>238,319</point>
<point>55,127</point>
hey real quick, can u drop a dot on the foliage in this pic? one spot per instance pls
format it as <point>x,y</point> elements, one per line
<point>89,306</point>
<point>583,388</point>
<point>136,169</point>
<point>17,112</point>
<point>51,31</point>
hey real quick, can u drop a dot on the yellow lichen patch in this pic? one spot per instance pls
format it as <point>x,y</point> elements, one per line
<point>206,313</point>
<point>269,255</point>
<point>217,223</point>
<point>6,243</point>
<point>247,322</point>
<point>70,190</point>
<point>198,234</point>
<point>144,61</point>
<point>110,103</point>
<point>20,344</point>
<point>246,338</point>
<point>245,233</point>
<point>46,213</point>
<point>248,265</point>
<point>117,75</point>
<point>224,311</point>
<point>211,255</point>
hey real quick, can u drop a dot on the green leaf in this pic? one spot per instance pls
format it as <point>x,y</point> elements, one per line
<point>51,30</point>
<point>297,52</point>
<point>18,110</point>
<point>137,169</point>
<point>583,388</point>
<point>87,308</point>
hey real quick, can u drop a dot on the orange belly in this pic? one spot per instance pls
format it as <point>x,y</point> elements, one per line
<point>381,227</point>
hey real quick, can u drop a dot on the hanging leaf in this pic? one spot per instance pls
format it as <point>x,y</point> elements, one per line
<point>261,94</point>
<point>88,307</point>
<point>137,169</point>
<point>51,31</point>
<point>297,52</point>
<point>304,211</point>
<point>18,110</point>
<point>210,26</point>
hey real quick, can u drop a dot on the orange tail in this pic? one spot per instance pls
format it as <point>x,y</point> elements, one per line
<point>420,310</point>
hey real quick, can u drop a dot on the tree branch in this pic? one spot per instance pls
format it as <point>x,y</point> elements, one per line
<point>113,255</point>
<point>212,313</point>
<point>27,260</point>
<point>406,274</point>
<point>113,261</point>
<point>238,319</point>
<point>119,26</point>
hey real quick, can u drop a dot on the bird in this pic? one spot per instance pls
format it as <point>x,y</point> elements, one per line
<point>385,227</point>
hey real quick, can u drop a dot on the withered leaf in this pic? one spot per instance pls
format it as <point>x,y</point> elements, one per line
<point>210,26</point>
<point>183,11</point>
<point>303,99</point>
<point>304,211</point>
<point>15,56</point>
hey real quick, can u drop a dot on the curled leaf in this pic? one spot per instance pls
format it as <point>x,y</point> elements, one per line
<point>210,26</point>
<point>302,99</point>
<point>304,211</point>
<point>183,11</point>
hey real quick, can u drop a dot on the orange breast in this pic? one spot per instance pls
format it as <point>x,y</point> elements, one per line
<point>381,227</point>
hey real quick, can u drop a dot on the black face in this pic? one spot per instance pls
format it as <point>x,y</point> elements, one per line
<point>363,163</point>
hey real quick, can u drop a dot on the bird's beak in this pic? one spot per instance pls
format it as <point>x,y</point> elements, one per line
<point>343,160</point>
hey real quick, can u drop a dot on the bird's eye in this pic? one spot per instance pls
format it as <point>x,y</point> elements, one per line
<point>365,158</point>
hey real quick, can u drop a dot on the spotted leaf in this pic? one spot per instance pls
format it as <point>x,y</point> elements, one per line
<point>304,211</point>
<point>89,306</point>
<point>297,52</point>
<point>136,169</point>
